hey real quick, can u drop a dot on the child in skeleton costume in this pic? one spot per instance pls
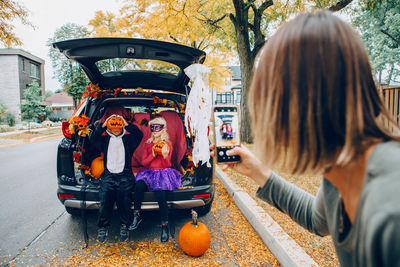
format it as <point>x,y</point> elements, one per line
<point>158,176</point>
<point>117,140</point>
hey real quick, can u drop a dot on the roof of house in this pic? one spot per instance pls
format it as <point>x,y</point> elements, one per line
<point>237,86</point>
<point>20,52</point>
<point>61,97</point>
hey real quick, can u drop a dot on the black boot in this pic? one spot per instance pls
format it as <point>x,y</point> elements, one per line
<point>136,220</point>
<point>164,232</point>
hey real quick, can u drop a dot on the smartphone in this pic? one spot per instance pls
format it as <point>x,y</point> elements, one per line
<point>226,132</point>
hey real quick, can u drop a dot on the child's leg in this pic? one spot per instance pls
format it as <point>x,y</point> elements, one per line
<point>161,196</point>
<point>140,188</point>
<point>107,198</point>
<point>124,199</point>
<point>162,203</point>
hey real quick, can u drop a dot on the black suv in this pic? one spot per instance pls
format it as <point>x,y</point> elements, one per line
<point>143,76</point>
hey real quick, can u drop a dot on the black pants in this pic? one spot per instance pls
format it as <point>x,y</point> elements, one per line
<point>161,196</point>
<point>115,188</point>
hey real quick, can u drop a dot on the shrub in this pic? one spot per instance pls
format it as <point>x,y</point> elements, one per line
<point>10,119</point>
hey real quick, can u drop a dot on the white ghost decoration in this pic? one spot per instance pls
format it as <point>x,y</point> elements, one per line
<point>198,112</point>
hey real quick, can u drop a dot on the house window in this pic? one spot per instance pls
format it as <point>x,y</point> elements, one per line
<point>238,95</point>
<point>225,98</point>
<point>23,65</point>
<point>34,71</point>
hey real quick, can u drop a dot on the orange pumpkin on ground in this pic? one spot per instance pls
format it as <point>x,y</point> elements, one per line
<point>97,167</point>
<point>194,237</point>
<point>158,147</point>
<point>115,123</point>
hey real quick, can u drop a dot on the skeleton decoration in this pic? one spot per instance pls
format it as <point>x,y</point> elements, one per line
<point>198,112</point>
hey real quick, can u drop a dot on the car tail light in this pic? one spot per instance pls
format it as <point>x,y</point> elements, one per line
<point>65,129</point>
<point>205,196</point>
<point>63,196</point>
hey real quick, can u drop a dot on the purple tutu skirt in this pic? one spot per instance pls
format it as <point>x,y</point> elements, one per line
<point>164,179</point>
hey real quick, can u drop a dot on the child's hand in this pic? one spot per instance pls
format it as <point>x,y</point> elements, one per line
<point>125,123</point>
<point>165,151</point>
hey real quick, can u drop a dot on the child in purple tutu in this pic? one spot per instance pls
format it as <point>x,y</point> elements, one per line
<point>158,176</point>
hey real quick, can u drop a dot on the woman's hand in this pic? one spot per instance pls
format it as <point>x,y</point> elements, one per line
<point>249,165</point>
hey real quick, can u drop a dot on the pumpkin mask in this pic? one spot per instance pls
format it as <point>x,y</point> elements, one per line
<point>115,124</point>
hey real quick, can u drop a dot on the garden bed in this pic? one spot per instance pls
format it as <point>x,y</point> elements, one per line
<point>27,135</point>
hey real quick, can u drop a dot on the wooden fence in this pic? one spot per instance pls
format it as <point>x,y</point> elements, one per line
<point>391,98</point>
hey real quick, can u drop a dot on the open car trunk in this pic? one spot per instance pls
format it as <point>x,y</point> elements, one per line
<point>88,51</point>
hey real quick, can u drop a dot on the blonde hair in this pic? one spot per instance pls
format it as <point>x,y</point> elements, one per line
<point>313,99</point>
<point>164,134</point>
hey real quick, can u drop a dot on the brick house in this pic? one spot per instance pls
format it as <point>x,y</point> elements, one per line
<point>18,69</point>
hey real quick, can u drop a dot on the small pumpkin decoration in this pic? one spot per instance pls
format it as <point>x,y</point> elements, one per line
<point>97,167</point>
<point>115,123</point>
<point>194,237</point>
<point>158,147</point>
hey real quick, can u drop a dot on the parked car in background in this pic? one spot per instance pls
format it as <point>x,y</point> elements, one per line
<point>143,76</point>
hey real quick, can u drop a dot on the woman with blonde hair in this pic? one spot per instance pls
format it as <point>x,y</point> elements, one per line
<point>314,105</point>
<point>158,176</point>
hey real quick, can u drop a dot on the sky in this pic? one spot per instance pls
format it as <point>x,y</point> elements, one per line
<point>48,16</point>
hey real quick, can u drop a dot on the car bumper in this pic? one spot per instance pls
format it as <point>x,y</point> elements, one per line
<point>178,199</point>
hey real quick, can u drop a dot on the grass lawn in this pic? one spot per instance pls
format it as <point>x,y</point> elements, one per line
<point>321,249</point>
<point>32,134</point>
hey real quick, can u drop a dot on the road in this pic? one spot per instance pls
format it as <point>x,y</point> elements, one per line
<point>35,229</point>
<point>28,202</point>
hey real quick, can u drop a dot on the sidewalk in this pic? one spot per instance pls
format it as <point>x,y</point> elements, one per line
<point>284,248</point>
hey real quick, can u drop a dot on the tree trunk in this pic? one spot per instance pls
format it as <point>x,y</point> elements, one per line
<point>389,78</point>
<point>240,21</point>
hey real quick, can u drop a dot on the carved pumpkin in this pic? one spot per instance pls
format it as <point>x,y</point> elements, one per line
<point>97,167</point>
<point>194,237</point>
<point>158,147</point>
<point>115,123</point>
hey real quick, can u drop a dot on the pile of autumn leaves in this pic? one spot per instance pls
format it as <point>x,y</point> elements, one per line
<point>233,242</point>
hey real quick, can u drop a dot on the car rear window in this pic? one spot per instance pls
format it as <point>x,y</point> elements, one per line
<point>127,64</point>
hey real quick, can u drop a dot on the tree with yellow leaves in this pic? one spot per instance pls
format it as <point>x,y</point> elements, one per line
<point>11,10</point>
<point>218,27</point>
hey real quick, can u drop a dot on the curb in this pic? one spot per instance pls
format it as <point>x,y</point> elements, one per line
<point>282,246</point>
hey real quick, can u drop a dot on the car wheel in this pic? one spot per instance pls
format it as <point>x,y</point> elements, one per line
<point>73,211</point>
<point>201,211</point>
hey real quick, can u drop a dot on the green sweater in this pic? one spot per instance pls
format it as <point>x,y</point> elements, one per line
<point>374,238</point>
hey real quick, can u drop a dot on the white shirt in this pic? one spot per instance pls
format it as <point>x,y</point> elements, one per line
<point>116,153</point>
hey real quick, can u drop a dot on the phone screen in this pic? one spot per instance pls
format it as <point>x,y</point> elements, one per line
<point>226,130</point>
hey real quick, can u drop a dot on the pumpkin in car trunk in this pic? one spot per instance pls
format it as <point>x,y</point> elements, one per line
<point>97,167</point>
<point>115,123</point>
<point>194,237</point>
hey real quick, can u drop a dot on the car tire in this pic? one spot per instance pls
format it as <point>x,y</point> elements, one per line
<point>73,211</point>
<point>201,211</point>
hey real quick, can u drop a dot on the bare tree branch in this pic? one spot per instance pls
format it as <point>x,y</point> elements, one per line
<point>339,5</point>
<point>265,5</point>
<point>391,37</point>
